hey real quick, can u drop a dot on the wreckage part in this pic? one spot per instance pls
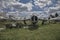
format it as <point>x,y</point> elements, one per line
<point>8,26</point>
<point>18,25</point>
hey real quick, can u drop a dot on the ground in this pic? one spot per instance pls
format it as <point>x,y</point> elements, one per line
<point>43,32</point>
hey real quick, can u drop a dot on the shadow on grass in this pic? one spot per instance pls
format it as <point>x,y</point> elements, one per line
<point>33,27</point>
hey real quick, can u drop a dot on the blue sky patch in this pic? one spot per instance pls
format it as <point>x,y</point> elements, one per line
<point>24,1</point>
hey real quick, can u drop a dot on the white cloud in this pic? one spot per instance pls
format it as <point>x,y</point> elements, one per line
<point>42,3</point>
<point>58,1</point>
<point>13,3</point>
<point>53,9</point>
<point>29,6</point>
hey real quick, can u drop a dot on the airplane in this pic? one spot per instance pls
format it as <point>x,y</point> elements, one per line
<point>55,18</point>
<point>2,18</point>
<point>33,19</point>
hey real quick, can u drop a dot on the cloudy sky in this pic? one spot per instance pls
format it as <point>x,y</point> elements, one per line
<point>49,6</point>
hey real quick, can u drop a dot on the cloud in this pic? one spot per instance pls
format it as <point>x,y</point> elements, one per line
<point>54,9</point>
<point>15,5</point>
<point>46,5</point>
<point>42,3</point>
<point>29,6</point>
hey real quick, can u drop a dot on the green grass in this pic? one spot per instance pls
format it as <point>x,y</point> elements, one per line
<point>45,32</point>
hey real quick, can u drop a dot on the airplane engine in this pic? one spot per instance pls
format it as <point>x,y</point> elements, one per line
<point>34,19</point>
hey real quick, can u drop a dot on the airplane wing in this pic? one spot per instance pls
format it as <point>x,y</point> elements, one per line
<point>57,18</point>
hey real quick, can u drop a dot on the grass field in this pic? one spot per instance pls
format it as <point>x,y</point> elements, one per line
<point>44,32</point>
